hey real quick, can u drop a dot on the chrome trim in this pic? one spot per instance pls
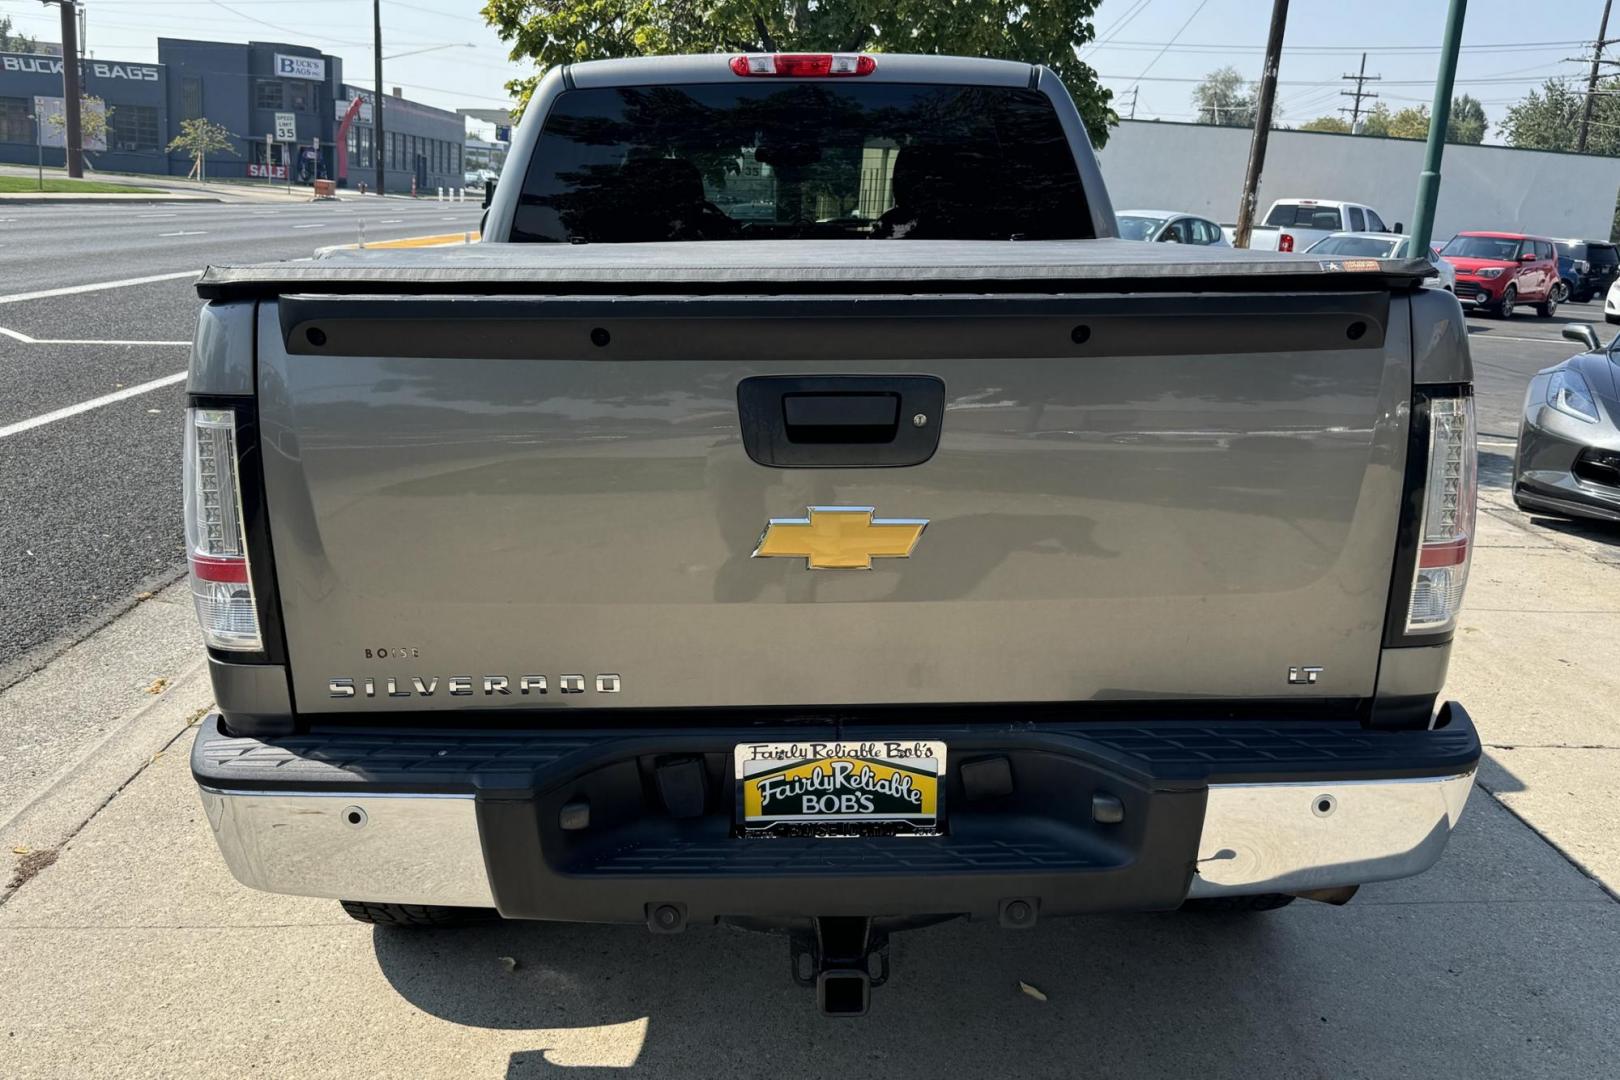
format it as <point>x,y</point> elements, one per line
<point>1292,837</point>
<point>407,849</point>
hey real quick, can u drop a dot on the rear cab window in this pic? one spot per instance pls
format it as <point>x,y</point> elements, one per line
<point>1305,216</point>
<point>771,161</point>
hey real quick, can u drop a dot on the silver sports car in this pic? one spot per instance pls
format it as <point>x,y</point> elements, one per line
<point>1568,460</point>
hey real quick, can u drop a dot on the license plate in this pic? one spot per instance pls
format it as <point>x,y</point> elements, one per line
<point>807,784</point>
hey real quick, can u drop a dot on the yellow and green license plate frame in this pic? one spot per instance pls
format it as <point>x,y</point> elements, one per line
<point>859,784</point>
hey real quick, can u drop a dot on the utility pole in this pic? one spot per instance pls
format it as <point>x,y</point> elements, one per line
<point>1262,124</point>
<point>1591,80</point>
<point>1428,193</point>
<point>1134,91</point>
<point>1359,93</point>
<point>377,142</point>
<point>72,137</point>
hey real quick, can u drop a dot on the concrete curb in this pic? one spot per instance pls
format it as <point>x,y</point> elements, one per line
<point>55,813</point>
<point>45,198</point>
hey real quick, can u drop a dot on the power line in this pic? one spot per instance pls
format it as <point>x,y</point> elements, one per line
<point>1359,93</point>
<point>1172,40</point>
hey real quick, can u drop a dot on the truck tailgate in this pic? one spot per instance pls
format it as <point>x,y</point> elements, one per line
<point>1171,495</point>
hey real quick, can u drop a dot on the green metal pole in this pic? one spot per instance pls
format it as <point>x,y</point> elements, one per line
<point>1428,192</point>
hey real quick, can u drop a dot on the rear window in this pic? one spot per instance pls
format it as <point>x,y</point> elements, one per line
<point>1500,248</point>
<point>763,161</point>
<point>1602,255</point>
<point>1360,246</point>
<point>1305,217</point>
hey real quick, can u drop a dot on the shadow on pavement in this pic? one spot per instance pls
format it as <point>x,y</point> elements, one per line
<point>720,1002</point>
<point>1599,532</point>
<point>1495,470</point>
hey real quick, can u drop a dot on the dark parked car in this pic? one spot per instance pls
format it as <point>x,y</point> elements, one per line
<point>1499,270</point>
<point>1568,461</point>
<point>1586,268</point>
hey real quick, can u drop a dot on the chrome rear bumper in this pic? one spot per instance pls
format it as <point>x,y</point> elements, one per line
<point>426,849</point>
<point>1296,837</point>
<point>399,849</point>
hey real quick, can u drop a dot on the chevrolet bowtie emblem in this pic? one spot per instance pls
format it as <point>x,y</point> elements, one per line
<point>839,538</point>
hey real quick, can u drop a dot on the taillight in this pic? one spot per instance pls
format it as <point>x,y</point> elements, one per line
<point>1445,543</point>
<point>1285,242</point>
<point>216,545</point>
<point>803,65</point>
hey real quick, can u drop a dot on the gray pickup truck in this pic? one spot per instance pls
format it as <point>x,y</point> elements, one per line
<point>803,512</point>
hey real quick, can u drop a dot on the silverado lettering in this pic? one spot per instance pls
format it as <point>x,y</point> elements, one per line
<point>467,685</point>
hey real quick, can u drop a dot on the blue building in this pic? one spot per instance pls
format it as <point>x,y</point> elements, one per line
<point>292,94</point>
<point>246,88</point>
<point>138,126</point>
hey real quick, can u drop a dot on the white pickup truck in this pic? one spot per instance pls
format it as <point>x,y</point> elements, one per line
<point>1296,224</point>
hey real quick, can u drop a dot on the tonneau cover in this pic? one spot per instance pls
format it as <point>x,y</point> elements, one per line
<point>812,266</point>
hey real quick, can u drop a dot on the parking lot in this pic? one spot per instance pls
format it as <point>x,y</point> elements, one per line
<point>130,950</point>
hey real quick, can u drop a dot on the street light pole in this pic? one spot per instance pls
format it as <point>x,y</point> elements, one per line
<point>377,140</point>
<point>1428,193</point>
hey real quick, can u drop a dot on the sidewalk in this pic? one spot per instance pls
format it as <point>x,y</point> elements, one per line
<point>130,950</point>
<point>1534,663</point>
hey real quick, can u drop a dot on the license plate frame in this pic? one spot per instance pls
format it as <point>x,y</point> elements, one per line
<point>857,786</point>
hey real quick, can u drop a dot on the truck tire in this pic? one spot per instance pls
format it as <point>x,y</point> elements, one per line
<point>1238,904</point>
<point>413,914</point>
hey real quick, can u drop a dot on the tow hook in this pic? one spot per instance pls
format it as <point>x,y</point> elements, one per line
<point>843,957</point>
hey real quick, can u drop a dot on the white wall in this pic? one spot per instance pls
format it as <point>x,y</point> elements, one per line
<point>1199,168</point>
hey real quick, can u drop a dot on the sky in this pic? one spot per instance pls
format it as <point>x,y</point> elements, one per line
<point>1161,48</point>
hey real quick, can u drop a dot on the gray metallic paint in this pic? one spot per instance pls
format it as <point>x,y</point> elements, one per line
<point>1101,526</point>
<point>1549,442</point>
<point>222,352</point>
<point>1439,339</point>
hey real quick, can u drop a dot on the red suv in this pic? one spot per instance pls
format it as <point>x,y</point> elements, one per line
<point>1497,270</point>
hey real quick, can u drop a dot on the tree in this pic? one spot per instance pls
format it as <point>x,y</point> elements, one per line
<point>1550,119</point>
<point>1409,123</point>
<point>95,121</point>
<point>1224,98</point>
<point>1336,124</point>
<point>200,137</point>
<point>18,42</point>
<point>1467,123</point>
<point>566,31</point>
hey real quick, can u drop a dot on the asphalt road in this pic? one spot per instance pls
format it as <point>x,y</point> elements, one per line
<point>90,503</point>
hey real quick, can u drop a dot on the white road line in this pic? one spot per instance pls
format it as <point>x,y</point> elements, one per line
<point>317,225</point>
<point>154,217</point>
<point>186,232</point>
<point>85,406</point>
<point>1503,337</point>
<point>70,290</point>
<point>391,221</point>
<point>26,340</point>
<point>1497,442</point>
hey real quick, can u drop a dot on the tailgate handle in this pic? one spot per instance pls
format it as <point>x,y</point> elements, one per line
<point>841,418</point>
<point>840,421</point>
